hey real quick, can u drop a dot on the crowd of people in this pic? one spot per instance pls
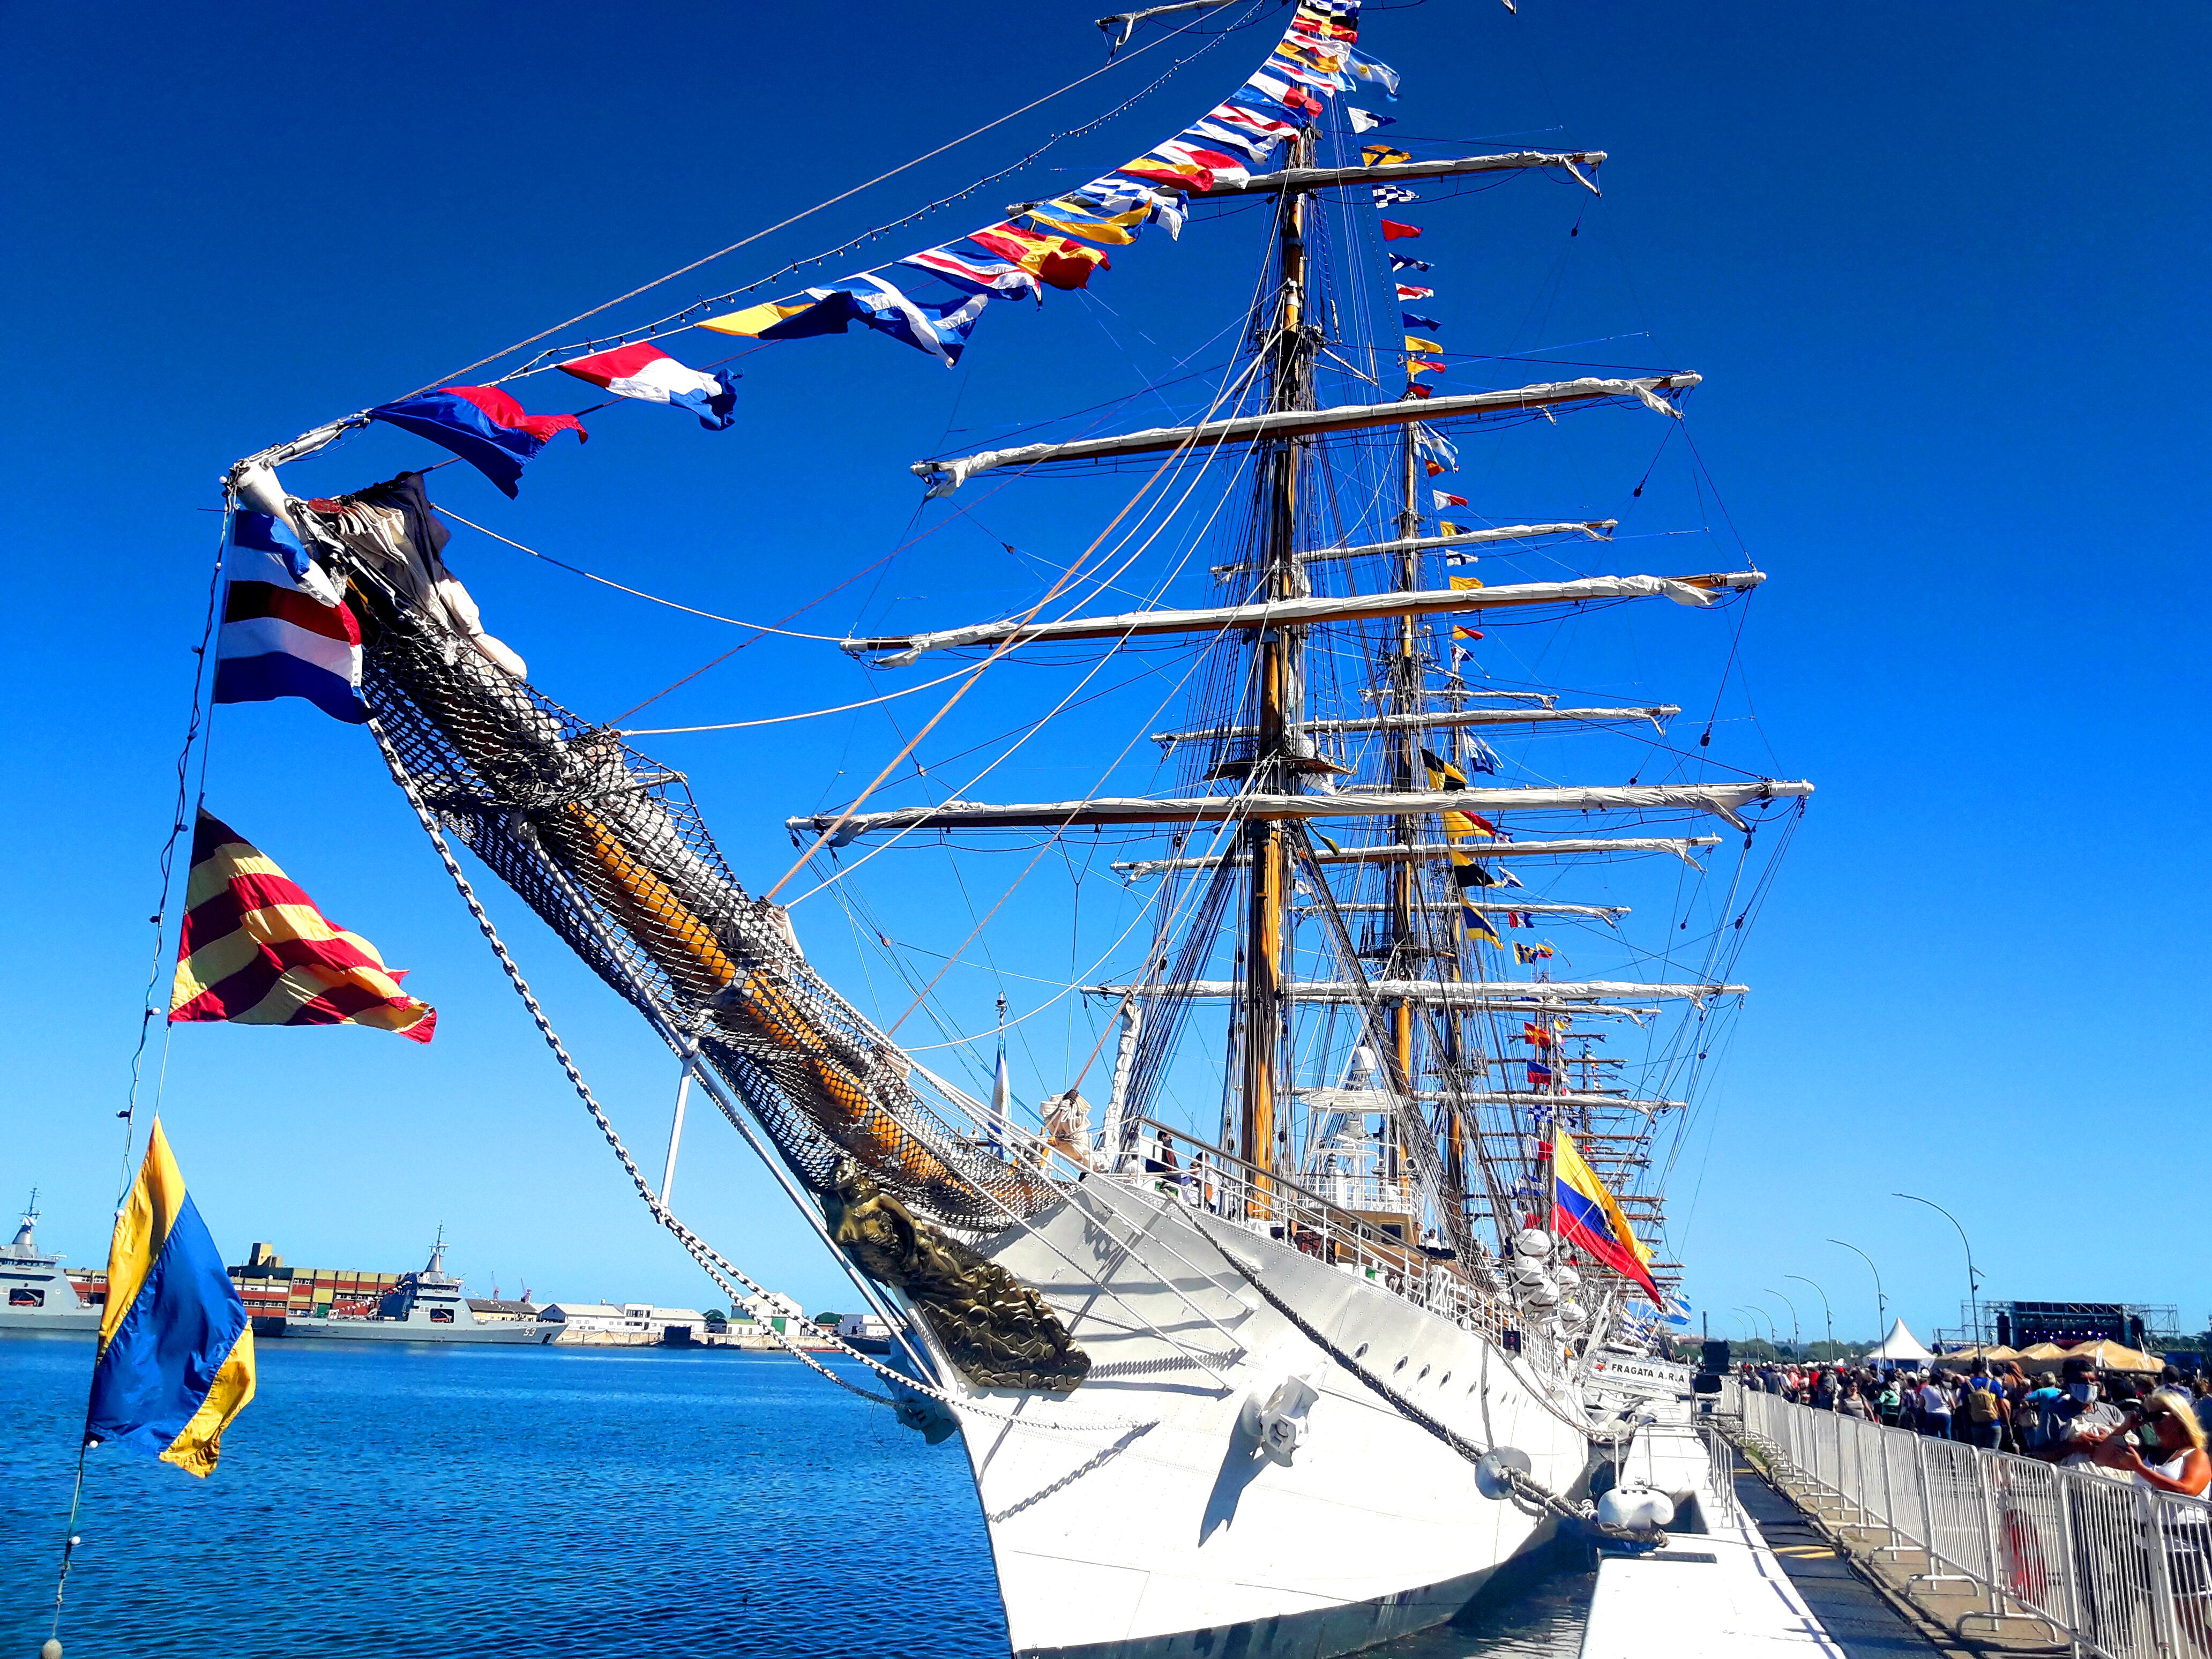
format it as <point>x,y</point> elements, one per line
<point>2153,1433</point>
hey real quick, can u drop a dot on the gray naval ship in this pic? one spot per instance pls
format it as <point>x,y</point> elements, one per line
<point>424,1307</point>
<point>39,1297</point>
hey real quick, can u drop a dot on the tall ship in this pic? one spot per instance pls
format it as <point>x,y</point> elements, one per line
<point>1303,1333</point>
<point>39,1294</point>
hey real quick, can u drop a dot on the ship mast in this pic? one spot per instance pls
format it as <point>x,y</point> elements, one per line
<point>1405,684</point>
<point>1265,1021</point>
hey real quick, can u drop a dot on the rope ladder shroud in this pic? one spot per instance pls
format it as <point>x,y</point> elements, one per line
<point>502,832</point>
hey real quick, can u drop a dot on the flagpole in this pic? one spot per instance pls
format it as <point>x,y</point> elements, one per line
<point>52,1647</point>
<point>189,792</point>
<point>198,728</point>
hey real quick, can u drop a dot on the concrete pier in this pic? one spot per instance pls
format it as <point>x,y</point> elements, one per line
<point>1753,1579</point>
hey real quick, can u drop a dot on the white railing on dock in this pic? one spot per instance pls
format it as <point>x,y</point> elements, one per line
<point>2118,1571</point>
<point>1720,1480</point>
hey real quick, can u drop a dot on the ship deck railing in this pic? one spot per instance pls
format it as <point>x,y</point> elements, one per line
<point>1220,1183</point>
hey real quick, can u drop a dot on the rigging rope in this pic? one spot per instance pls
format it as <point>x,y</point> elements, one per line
<point>785,720</point>
<point>622,587</point>
<point>1065,579</point>
<point>904,166</point>
<point>717,1266</point>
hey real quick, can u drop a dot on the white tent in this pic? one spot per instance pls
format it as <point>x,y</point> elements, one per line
<point>1899,1347</point>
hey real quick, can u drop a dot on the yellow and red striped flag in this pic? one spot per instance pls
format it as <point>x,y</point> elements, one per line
<point>256,950</point>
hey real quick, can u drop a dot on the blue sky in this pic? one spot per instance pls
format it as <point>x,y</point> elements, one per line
<point>1939,268</point>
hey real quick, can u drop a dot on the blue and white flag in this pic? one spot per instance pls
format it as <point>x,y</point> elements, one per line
<point>1437,452</point>
<point>940,330</point>
<point>1366,120</point>
<point>1252,146</point>
<point>1392,194</point>
<point>1358,62</point>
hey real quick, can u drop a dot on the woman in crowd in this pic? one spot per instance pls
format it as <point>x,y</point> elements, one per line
<point>2175,1461</point>
<point>2178,1461</point>
<point>1853,1403</point>
<point>1887,1402</point>
<point>1985,1409</point>
<point>1932,1404</point>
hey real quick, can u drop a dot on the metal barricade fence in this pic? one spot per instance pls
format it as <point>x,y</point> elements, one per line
<point>2118,1570</point>
<point>1952,1486</point>
<point>1720,1481</point>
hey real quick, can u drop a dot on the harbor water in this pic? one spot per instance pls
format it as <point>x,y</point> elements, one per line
<point>537,1504</point>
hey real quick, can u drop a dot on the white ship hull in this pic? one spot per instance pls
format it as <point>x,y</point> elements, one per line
<point>1158,1528</point>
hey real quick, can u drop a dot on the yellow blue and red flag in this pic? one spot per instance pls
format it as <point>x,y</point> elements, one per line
<point>176,1348</point>
<point>1588,1217</point>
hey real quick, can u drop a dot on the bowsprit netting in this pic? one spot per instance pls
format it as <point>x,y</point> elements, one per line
<point>608,848</point>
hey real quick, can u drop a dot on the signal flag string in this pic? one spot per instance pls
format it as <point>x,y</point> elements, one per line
<point>881,178</point>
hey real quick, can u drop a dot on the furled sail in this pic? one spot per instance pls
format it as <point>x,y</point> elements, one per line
<point>1722,800</point>
<point>1694,591</point>
<point>946,476</point>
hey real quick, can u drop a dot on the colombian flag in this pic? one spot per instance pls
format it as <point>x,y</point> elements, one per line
<point>1585,1215</point>
<point>176,1349</point>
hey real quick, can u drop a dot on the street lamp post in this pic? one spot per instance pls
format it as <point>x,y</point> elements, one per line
<point>1827,1314</point>
<point>1973,1278</point>
<point>1756,1313</point>
<point>1881,1302</point>
<point>1794,1345</point>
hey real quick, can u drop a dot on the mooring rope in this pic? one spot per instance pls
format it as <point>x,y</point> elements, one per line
<point>1523,1484</point>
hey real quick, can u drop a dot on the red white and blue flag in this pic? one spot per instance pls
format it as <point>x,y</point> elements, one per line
<point>649,374</point>
<point>977,272</point>
<point>1257,126</point>
<point>482,425</point>
<point>278,639</point>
